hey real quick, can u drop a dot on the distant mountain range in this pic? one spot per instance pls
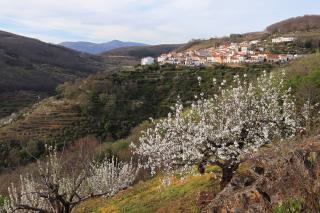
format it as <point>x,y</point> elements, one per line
<point>95,48</point>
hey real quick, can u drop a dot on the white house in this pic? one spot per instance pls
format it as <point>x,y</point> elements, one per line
<point>282,39</point>
<point>211,59</point>
<point>241,58</point>
<point>161,59</point>
<point>254,42</point>
<point>147,61</point>
<point>192,61</point>
<point>244,49</point>
<point>202,53</point>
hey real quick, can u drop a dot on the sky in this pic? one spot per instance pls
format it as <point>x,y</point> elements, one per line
<point>147,21</point>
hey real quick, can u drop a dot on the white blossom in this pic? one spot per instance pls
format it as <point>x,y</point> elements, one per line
<point>238,121</point>
<point>199,80</point>
<point>54,190</point>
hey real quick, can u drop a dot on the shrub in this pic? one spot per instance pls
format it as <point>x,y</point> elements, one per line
<point>291,205</point>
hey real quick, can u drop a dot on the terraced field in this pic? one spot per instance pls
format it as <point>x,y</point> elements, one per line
<point>107,105</point>
<point>11,102</point>
<point>43,121</point>
<point>47,117</point>
<point>51,121</point>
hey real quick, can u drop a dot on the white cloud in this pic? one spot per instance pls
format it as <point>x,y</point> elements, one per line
<point>150,21</point>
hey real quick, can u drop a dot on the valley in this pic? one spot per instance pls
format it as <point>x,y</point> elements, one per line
<point>107,119</point>
<point>108,105</point>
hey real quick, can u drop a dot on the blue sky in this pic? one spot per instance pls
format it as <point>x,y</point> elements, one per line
<point>148,21</point>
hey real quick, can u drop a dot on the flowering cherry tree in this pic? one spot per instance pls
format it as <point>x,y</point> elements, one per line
<point>236,121</point>
<point>57,191</point>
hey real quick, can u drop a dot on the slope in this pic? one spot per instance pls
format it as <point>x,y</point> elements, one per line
<point>300,23</point>
<point>107,105</point>
<point>187,194</point>
<point>35,68</point>
<point>29,64</point>
<point>281,176</point>
<point>305,29</point>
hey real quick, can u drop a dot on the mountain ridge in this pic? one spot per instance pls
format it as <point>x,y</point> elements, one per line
<point>97,48</point>
<point>299,23</point>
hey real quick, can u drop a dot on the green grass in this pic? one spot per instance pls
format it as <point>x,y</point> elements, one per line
<point>291,205</point>
<point>2,200</point>
<point>152,196</point>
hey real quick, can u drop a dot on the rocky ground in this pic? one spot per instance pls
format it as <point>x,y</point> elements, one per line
<point>285,179</point>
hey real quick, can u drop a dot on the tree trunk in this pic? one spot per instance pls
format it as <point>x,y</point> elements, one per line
<point>63,208</point>
<point>202,168</point>
<point>67,208</point>
<point>227,174</point>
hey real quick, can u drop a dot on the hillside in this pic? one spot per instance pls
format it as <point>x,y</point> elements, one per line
<point>277,178</point>
<point>301,23</point>
<point>97,48</point>
<point>282,178</point>
<point>107,105</point>
<point>103,95</point>
<point>264,182</point>
<point>140,52</point>
<point>113,106</point>
<point>190,194</point>
<point>35,68</point>
<point>305,29</point>
<point>29,64</point>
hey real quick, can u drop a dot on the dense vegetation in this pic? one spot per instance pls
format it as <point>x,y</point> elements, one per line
<point>304,78</point>
<point>111,104</point>
<point>124,99</point>
<point>107,105</point>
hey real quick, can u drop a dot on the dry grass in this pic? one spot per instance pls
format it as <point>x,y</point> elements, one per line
<point>182,195</point>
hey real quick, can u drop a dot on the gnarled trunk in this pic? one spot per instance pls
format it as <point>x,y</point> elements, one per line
<point>227,168</point>
<point>202,168</point>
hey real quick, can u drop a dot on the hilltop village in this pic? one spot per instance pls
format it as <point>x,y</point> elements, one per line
<point>228,53</point>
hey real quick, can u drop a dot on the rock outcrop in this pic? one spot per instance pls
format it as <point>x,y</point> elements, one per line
<point>275,175</point>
